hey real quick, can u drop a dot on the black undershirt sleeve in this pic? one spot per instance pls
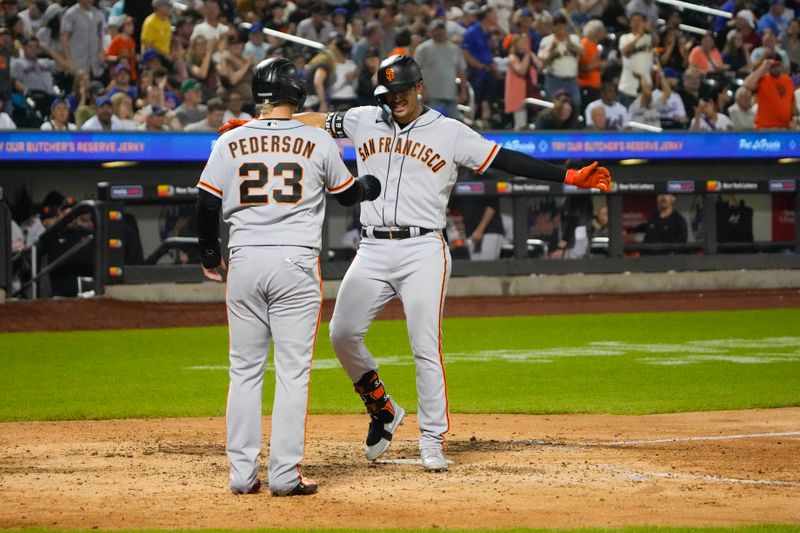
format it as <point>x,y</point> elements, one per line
<point>519,164</point>
<point>366,187</point>
<point>208,209</point>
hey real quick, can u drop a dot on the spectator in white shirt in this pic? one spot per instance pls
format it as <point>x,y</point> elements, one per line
<point>615,113</point>
<point>104,119</point>
<point>648,108</point>
<point>255,46</point>
<point>637,56</point>
<point>122,107</point>
<point>707,117</point>
<point>5,121</point>
<point>234,103</point>
<point>559,52</point>
<point>59,117</point>
<point>211,28</point>
<point>743,111</point>
<point>317,27</point>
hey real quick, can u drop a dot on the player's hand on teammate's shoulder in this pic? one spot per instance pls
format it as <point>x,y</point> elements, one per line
<point>590,177</point>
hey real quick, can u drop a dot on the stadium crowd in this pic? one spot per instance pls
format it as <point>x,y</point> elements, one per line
<point>171,65</point>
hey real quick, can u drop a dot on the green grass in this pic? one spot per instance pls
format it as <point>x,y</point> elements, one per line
<point>641,529</point>
<point>503,365</point>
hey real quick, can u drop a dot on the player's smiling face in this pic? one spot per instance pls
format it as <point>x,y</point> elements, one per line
<point>405,104</point>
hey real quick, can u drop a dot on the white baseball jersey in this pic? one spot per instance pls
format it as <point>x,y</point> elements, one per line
<point>416,164</point>
<point>272,175</point>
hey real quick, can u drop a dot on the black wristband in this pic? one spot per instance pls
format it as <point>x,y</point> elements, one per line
<point>210,255</point>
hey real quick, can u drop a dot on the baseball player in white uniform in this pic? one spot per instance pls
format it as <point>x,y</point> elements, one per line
<point>414,152</point>
<point>269,178</point>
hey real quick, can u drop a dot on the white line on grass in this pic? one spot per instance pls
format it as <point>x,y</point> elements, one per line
<point>691,439</point>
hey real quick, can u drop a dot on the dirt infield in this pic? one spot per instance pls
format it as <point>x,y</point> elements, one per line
<point>714,468</point>
<point>508,470</point>
<point>104,313</point>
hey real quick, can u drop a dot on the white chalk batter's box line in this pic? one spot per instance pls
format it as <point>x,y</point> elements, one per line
<point>759,351</point>
<point>645,476</point>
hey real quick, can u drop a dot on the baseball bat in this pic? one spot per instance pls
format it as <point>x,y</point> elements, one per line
<point>293,38</point>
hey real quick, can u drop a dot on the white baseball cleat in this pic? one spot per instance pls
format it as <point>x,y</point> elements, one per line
<point>380,435</point>
<point>433,460</point>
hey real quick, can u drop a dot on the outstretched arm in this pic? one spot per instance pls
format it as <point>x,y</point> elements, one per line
<point>316,120</point>
<point>519,164</point>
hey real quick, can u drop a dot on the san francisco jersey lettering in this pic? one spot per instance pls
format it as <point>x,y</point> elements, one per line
<point>272,176</point>
<point>417,164</point>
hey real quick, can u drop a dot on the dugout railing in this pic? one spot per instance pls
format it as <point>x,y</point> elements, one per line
<point>615,254</point>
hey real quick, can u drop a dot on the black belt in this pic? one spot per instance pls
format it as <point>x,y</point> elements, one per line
<point>395,233</point>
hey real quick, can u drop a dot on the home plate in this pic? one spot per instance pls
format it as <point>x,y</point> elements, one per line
<point>402,462</point>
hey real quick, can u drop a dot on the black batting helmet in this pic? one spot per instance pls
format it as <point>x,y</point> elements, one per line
<point>397,73</point>
<point>275,81</point>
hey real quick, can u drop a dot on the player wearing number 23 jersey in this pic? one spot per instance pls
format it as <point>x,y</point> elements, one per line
<point>269,179</point>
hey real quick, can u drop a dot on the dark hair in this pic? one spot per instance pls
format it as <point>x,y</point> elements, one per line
<point>485,10</point>
<point>403,38</point>
<point>560,19</point>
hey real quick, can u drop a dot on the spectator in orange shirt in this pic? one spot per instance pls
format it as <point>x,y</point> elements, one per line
<point>774,94</point>
<point>123,47</point>
<point>705,57</point>
<point>591,64</point>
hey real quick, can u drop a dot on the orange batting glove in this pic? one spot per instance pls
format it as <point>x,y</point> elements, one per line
<point>231,124</point>
<point>591,177</point>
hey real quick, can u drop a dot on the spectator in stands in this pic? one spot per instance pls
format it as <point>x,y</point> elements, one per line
<point>157,28</point>
<point>154,119</point>
<point>598,118</point>
<point>559,53</point>
<point>591,63</point>
<point>122,107</point>
<point>614,17</point>
<point>212,27</point>
<point>705,57</point>
<point>59,117</point>
<point>745,23</point>
<point>675,53</point>
<point>773,20</point>
<point>442,63</point>
<point>202,66</point>
<point>191,109</point>
<point>321,72</point>
<point>478,50</point>
<point>743,111</point>
<point>64,278</point>
<point>32,16</point>
<point>253,12</point>
<point>233,109</point>
<point>668,101</point>
<point>667,225</point>
<point>277,19</point>
<point>5,120</point>
<point>343,89</point>
<point>574,16</point>
<point>104,118</point>
<point>235,70</point>
<point>707,116</point>
<point>774,92</point>
<point>563,115</point>
<point>373,35</point>
<point>49,35</point>
<point>388,28</point>
<point>647,8</point>
<point>368,77</point>
<point>32,74</point>
<point>522,79</point>
<point>690,90</point>
<point>151,61</point>
<point>636,48</point>
<point>737,54</point>
<point>7,52</point>
<point>184,26</point>
<point>769,46</point>
<point>82,30</point>
<point>483,226</point>
<point>122,48</point>
<point>121,81</point>
<point>790,42</point>
<point>599,226</point>
<point>616,113</point>
<point>213,120</point>
<point>316,27</point>
<point>409,16</point>
<point>255,47</point>
<point>402,43</point>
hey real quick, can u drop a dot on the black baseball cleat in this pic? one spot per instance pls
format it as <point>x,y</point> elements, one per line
<point>252,490</point>
<point>304,488</point>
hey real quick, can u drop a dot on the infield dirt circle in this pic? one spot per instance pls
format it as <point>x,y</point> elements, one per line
<point>711,468</point>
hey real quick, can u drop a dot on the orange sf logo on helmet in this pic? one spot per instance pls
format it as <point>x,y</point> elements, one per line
<point>390,74</point>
